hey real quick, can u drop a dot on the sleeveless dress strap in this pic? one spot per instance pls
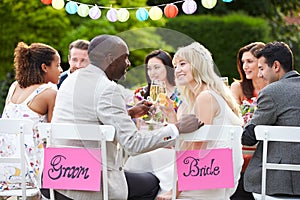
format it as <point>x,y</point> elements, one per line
<point>219,99</point>
<point>37,91</point>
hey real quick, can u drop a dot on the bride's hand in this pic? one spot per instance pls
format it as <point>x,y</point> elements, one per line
<point>168,110</point>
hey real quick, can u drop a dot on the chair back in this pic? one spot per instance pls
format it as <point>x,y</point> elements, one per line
<point>18,128</point>
<point>80,132</point>
<point>278,134</point>
<point>229,133</point>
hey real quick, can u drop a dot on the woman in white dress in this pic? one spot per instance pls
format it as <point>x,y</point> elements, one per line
<point>205,95</point>
<point>31,96</point>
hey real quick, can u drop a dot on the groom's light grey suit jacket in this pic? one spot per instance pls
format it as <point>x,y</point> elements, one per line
<point>88,96</point>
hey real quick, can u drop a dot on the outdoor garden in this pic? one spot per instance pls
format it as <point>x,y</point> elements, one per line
<point>222,26</point>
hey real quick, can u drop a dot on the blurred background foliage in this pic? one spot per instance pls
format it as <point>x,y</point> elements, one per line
<point>223,30</point>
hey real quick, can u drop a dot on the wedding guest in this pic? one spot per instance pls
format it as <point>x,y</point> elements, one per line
<point>77,58</point>
<point>249,84</point>
<point>158,66</point>
<point>277,104</point>
<point>32,96</point>
<point>245,92</point>
<point>205,95</point>
<point>91,95</point>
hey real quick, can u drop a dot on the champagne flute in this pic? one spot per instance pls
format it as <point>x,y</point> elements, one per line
<point>225,81</point>
<point>157,96</point>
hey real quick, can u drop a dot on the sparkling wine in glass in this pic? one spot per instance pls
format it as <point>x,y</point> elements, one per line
<point>158,97</point>
<point>225,81</point>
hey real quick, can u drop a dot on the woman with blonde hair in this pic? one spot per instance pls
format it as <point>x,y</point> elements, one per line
<point>205,95</point>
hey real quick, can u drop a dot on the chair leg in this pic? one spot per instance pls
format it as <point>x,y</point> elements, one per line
<point>52,196</point>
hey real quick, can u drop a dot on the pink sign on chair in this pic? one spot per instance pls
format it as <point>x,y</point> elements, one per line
<point>205,169</point>
<point>72,169</point>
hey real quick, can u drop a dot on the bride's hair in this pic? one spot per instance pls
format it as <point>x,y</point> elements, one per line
<point>202,66</point>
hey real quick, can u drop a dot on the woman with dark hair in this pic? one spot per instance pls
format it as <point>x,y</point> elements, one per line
<point>249,84</point>
<point>37,69</point>
<point>31,96</point>
<point>245,92</point>
<point>158,66</point>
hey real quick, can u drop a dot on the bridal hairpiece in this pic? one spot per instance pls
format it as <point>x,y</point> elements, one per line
<point>203,51</point>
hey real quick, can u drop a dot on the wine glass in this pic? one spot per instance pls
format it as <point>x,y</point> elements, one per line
<point>225,81</point>
<point>157,94</point>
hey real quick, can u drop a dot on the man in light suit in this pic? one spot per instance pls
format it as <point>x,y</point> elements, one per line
<point>92,96</point>
<point>77,58</point>
<point>278,105</point>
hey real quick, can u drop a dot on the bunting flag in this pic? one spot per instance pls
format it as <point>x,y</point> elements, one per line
<point>122,14</point>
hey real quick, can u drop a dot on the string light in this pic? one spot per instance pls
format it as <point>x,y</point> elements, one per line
<point>142,14</point>
<point>122,14</point>
<point>171,11</point>
<point>189,7</point>
<point>209,4</point>
<point>95,12</point>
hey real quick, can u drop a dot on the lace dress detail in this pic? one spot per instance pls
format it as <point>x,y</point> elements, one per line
<point>10,177</point>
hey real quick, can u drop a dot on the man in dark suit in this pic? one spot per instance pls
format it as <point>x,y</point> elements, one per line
<point>278,105</point>
<point>77,58</point>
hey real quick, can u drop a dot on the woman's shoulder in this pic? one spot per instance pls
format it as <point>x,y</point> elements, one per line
<point>236,85</point>
<point>206,96</point>
<point>46,91</point>
<point>237,91</point>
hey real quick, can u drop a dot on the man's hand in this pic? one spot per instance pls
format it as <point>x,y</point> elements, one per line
<point>188,123</point>
<point>140,109</point>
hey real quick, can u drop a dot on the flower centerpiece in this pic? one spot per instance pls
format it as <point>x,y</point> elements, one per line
<point>248,108</point>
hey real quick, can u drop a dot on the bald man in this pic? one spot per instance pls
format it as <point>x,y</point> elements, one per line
<point>92,96</point>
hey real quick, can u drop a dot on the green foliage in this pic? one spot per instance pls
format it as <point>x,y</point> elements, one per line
<point>32,21</point>
<point>4,86</point>
<point>223,36</point>
<point>141,41</point>
<point>86,30</point>
<point>275,12</point>
<point>28,21</point>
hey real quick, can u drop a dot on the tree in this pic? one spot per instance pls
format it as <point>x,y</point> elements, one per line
<point>28,21</point>
<point>276,11</point>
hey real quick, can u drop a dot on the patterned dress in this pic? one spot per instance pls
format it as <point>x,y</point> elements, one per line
<point>10,177</point>
<point>248,107</point>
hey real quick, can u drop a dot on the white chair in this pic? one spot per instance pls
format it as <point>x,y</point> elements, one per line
<point>18,128</point>
<point>80,132</point>
<point>212,133</point>
<point>279,134</point>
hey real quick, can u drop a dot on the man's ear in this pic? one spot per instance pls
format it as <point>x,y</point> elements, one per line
<point>109,58</point>
<point>44,67</point>
<point>277,66</point>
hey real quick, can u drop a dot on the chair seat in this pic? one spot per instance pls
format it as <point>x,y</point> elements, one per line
<point>259,197</point>
<point>29,192</point>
